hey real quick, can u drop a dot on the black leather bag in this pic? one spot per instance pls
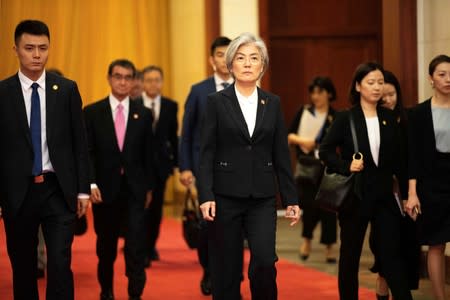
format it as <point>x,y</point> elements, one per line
<point>81,226</point>
<point>308,169</point>
<point>191,220</point>
<point>335,189</point>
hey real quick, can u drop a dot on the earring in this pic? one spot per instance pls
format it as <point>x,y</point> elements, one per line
<point>432,83</point>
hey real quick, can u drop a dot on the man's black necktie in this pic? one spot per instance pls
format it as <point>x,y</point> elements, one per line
<point>225,84</point>
<point>35,128</point>
<point>152,109</point>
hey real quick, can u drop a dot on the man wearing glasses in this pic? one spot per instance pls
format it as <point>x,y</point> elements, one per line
<point>120,147</point>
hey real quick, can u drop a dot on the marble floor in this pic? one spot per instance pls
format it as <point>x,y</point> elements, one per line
<point>288,243</point>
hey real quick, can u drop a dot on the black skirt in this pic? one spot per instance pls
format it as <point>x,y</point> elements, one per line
<point>434,195</point>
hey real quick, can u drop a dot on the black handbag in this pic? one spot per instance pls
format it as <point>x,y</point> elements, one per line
<point>191,220</point>
<point>335,188</point>
<point>308,169</point>
<point>81,225</point>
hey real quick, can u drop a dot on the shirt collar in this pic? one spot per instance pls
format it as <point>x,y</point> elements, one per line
<point>252,99</point>
<point>147,99</point>
<point>114,102</point>
<point>27,82</point>
<point>219,80</point>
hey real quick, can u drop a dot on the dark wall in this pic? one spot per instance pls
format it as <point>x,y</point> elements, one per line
<point>321,37</point>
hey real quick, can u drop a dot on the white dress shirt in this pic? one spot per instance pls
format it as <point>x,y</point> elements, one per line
<point>249,106</point>
<point>26,83</point>
<point>156,105</point>
<point>219,82</point>
<point>373,131</point>
<point>126,107</point>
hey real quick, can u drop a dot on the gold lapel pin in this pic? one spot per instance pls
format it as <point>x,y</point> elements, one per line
<point>55,87</point>
<point>384,122</point>
<point>135,116</point>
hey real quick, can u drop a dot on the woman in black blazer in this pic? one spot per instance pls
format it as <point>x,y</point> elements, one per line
<point>392,99</point>
<point>244,156</point>
<point>378,136</point>
<point>429,169</point>
<point>306,132</point>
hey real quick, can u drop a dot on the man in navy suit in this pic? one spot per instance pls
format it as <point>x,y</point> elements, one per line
<point>120,146</point>
<point>165,129</point>
<point>43,165</point>
<point>190,137</point>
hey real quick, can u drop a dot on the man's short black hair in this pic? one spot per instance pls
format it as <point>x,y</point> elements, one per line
<point>124,63</point>
<point>34,27</point>
<point>219,42</point>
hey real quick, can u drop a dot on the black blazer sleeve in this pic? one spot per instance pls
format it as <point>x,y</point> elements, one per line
<point>282,162</point>
<point>336,139</point>
<point>80,148</point>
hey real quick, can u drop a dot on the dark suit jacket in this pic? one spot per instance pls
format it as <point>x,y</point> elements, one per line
<point>234,164</point>
<point>374,183</point>
<point>421,141</point>
<point>66,141</point>
<point>190,136</point>
<point>136,159</point>
<point>165,138</point>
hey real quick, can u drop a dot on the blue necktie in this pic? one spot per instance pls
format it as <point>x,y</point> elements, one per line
<point>225,84</point>
<point>35,128</point>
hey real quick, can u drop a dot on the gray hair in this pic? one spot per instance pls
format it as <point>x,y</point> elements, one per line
<point>245,39</point>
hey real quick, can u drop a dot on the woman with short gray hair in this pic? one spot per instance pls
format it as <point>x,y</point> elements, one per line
<point>243,153</point>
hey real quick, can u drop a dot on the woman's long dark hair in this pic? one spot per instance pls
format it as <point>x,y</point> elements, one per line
<point>399,110</point>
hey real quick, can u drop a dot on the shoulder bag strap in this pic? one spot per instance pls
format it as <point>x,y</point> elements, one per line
<point>352,127</point>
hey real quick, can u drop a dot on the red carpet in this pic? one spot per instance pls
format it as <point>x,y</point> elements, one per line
<point>176,276</point>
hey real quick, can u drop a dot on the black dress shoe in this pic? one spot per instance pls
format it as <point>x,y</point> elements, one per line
<point>106,295</point>
<point>205,285</point>
<point>40,273</point>
<point>135,298</point>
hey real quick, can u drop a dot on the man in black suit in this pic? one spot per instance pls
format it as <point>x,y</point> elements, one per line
<point>43,165</point>
<point>120,148</point>
<point>165,128</point>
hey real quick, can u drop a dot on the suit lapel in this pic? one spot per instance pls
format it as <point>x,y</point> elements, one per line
<point>19,107</point>
<point>361,133</point>
<point>133,116</point>
<point>232,104</point>
<point>263,101</point>
<point>427,114</point>
<point>384,134</point>
<point>108,121</point>
<point>51,90</point>
<point>162,114</point>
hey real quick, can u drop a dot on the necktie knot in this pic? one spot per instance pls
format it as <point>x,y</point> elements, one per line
<point>35,86</point>
<point>120,108</point>
<point>225,84</point>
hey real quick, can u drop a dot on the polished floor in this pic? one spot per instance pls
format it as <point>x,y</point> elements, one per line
<point>288,243</point>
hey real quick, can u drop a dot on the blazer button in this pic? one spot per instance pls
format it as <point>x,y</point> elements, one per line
<point>249,147</point>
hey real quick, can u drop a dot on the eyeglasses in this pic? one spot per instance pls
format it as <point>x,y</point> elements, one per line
<point>254,60</point>
<point>120,77</point>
